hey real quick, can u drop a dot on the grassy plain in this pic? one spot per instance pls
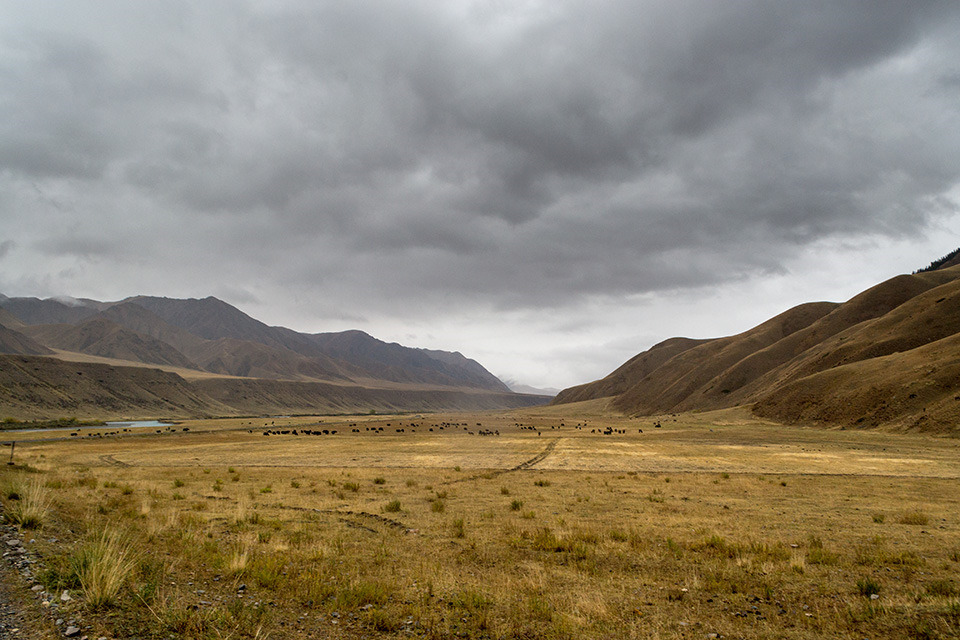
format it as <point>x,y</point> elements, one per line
<point>710,524</point>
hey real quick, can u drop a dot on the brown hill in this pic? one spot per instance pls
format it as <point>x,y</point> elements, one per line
<point>229,356</point>
<point>687,375</point>
<point>348,354</point>
<point>49,311</point>
<point>396,363</point>
<point>925,318</point>
<point>136,318</point>
<point>42,388</point>
<point>282,397</point>
<point>628,374</point>
<point>773,365</point>
<point>916,389</point>
<point>250,359</point>
<point>820,362</point>
<point>7,319</point>
<point>101,337</point>
<point>38,388</point>
<point>14,342</point>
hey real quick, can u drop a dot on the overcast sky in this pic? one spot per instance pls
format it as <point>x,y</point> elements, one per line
<point>548,187</point>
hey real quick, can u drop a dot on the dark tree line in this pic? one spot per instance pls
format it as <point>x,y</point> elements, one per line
<point>936,264</point>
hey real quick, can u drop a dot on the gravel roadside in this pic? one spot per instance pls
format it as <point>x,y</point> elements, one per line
<point>21,616</point>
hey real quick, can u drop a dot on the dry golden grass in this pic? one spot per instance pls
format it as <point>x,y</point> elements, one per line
<point>711,524</point>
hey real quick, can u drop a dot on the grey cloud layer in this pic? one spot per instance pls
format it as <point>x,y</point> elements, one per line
<point>520,154</point>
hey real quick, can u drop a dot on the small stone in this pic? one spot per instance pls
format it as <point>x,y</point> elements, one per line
<point>71,631</point>
<point>242,587</point>
<point>874,596</point>
<point>65,596</point>
<point>37,587</point>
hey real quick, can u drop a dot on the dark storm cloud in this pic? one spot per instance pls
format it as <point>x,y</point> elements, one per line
<point>514,153</point>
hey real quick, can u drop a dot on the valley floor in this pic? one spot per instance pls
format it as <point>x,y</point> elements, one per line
<point>710,525</point>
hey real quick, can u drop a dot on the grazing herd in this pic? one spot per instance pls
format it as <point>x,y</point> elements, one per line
<point>105,434</point>
<point>413,426</point>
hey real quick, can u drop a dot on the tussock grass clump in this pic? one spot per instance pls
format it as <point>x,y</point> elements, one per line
<point>379,480</point>
<point>819,555</point>
<point>617,535</point>
<point>239,559</point>
<point>868,587</point>
<point>942,588</point>
<point>268,571</point>
<point>438,506</point>
<point>917,518</point>
<point>458,528</point>
<point>363,593</point>
<point>102,566</point>
<point>393,506</point>
<point>516,505</point>
<point>30,504</point>
<point>90,482</point>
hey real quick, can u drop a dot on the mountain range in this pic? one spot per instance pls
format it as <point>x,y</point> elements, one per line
<point>214,349</point>
<point>888,356</point>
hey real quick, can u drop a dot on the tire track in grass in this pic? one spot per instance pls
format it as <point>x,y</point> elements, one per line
<point>350,518</point>
<point>526,464</point>
<point>113,462</point>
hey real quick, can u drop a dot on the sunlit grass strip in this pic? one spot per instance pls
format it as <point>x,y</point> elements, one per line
<point>102,566</point>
